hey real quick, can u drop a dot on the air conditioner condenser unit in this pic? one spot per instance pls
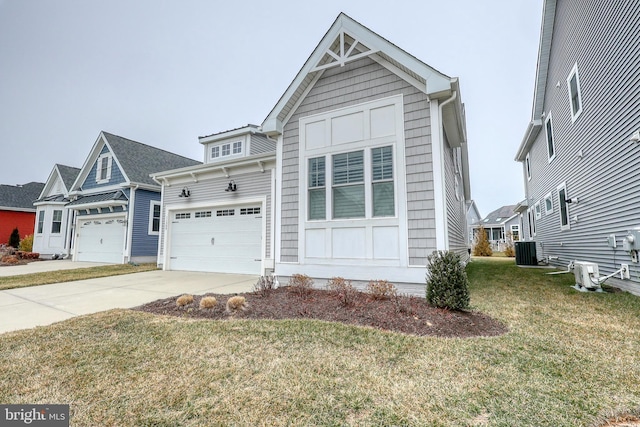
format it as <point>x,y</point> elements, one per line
<point>587,276</point>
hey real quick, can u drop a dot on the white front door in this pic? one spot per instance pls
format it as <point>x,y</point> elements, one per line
<point>101,239</point>
<point>223,240</point>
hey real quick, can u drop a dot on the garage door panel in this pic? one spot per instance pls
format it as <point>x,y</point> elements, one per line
<point>100,240</point>
<point>230,243</point>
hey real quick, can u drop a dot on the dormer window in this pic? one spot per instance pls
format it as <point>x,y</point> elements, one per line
<point>228,149</point>
<point>103,168</point>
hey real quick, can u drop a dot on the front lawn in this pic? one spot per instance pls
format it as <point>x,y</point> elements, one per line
<point>59,276</point>
<point>569,359</point>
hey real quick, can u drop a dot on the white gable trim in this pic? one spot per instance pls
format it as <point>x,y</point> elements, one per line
<point>91,160</point>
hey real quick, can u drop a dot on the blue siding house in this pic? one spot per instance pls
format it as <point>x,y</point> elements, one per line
<point>114,206</point>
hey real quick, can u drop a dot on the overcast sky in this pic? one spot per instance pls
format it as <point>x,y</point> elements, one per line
<point>165,72</point>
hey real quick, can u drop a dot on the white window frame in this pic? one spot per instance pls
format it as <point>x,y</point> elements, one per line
<point>150,230</point>
<point>215,152</point>
<point>527,166</point>
<point>532,223</point>
<point>40,227</point>
<point>99,179</point>
<point>53,221</point>
<point>549,198</point>
<point>237,145</point>
<point>548,123</point>
<point>517,228</point>
<point>567,226</point>
<point>574,73</point>
<point>226,149</point>
<point>537,210</point>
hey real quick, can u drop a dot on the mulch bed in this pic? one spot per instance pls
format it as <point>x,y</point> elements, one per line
<point>404,314</point>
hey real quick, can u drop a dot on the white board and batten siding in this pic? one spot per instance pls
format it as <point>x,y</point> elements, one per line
<point>341,104</point>
<point>217,230</point>
<point>594,158</point>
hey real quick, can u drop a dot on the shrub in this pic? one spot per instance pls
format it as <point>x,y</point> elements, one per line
<point>208,302</point>
<point>509,250</point>
<point>447,283</point>
<point>184,300</point>
<point>14,238</point>
<point>236,303</point>
<point>342,289</point>
<point>264,285</point>
<point>381,289</point>
<point>482,246</point>
<point>26,244</point>
<point>10,259</point>
<point>301,284</point>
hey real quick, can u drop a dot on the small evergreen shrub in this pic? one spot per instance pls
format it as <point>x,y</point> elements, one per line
<point>482,246</point>
<point>236,303</point>
<point>184,300</point>
<point>447,283</point>
<point>301,284</point>
<point>26,244</point>
<point>264,285</point>
<point>381,289</point>
<point>343,290</point>
<point>14,238</point>
<point>208,302</point>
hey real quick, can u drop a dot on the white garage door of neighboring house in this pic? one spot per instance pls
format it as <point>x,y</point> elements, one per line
<point>100,239</point>
<point>224,240</point>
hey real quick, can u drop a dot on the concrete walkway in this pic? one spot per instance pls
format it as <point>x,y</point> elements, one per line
<point>24,308</point>
<point>42,266</point>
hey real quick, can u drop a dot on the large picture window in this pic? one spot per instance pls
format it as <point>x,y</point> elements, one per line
<point>348,185</point>
<point>317,189</point>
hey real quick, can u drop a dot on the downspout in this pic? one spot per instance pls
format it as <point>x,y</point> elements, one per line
<point>443,188</point>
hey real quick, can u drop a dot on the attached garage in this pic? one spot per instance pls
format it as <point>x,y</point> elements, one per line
<point>100,239</point>
<point>225,239</point>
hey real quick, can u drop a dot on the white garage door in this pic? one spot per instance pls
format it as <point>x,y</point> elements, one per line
<point>101,239</point>
<point>223,240</point>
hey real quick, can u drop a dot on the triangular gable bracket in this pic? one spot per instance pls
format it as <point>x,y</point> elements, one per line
<point>345,48</point>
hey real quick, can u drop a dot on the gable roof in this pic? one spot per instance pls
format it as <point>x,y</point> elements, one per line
<point>345,41</point>
<point>544,53</point>
<point>499,216</point>
<point>68,174</point>
<point>20,197</point>
<point>135,159</point>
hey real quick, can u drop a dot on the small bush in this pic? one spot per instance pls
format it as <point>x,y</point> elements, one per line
<point>264,285</point>
<point>184,300</point>
<point>509,250</point>
<point>482,246</point>
<point>14,238</point>
<point>10,259</point>
<point>208,302</point>
<point>301,284</point>
<point>447,283</point>
<point>26,244</point>
<point>381,289</point>
<point>236,303</point>
<point>343,290</point>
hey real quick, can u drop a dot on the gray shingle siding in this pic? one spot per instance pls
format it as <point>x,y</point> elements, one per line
<point>358,82</point>
<point>593,154</point>
<point>456,223</point>
<point>116,174</point>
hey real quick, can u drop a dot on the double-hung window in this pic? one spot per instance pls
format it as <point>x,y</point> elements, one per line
<point>40,222</point>
<point>382,180</point>
<point>154,217</point>
<point>348,185</point>
<point>317,189</point>
<point>103,170</point>
<point>575,98</point>
<point>564,208</point>
<point>551,146</point>
<point>56,223</point>
<point>527,165</point>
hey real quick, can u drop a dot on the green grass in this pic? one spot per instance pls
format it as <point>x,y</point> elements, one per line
<point>568,359</point>
<point>45,278</point>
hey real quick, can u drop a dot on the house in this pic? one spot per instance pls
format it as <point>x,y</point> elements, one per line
<point>501,225</point>
<point>16,209</point>
<point>580,153</point>
<point>218,216</point>
<point>473,216</point>
<point>115,205</point>
<point>52,220</point>
<point>372,165</point>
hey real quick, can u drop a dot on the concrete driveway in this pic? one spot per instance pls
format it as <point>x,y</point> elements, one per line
<point>24,308</point>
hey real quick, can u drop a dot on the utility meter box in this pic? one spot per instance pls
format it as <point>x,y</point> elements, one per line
<point>631,241</point>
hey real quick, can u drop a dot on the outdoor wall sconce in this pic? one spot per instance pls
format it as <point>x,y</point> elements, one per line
<point>185,192</point>
<point>232,186</point>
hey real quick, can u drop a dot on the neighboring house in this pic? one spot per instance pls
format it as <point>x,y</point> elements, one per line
<point>501,225</point>
<point>16,209</point>
<point>580,152</point>
<point>218,216</point>
<point>473,216</point>
<point>372,165</point>
<point>115,207</point>
<point>53,222</point>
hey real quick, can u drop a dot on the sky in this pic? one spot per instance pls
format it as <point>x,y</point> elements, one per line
<point>164,72</point>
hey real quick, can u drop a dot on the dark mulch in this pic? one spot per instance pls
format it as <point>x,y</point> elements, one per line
<point>409,315</point>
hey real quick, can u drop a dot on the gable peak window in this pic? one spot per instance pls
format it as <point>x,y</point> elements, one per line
<point>551,146</point>
<point>103,168</point>
<point>575,96</point>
